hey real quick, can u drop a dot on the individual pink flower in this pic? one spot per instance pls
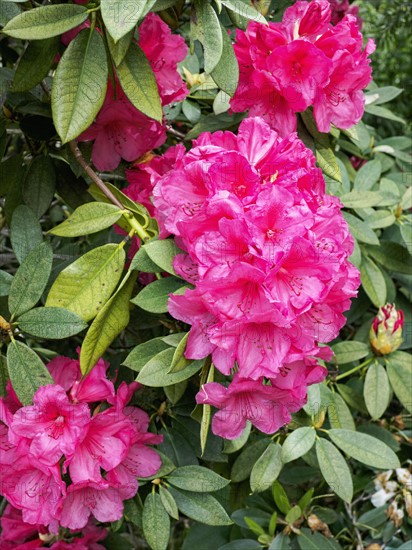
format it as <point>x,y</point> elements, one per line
<point>302,61</point>
<point>15,532</point>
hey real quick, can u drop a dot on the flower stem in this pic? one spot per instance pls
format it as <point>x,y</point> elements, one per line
<point>355,369</point>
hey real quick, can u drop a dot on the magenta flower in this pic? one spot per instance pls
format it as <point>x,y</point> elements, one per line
<point>302,61</point>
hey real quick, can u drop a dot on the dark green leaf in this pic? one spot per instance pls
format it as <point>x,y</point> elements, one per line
<point>339,414</point>
<point>51,322</point>
<point>376,391</point>
<point>154,297</point>
<point>334,469</point>
<point>281,498</point>
<point>267,468</point>
<point>364,448</point>
<point>141,354</point>
<point>373,282</point>
<point>27,372</point>
<point>5,282</point>
<point>399,367</point>
<point>168,502</point>
<point>205,27</point>
<point>360,230</point>
<point>79,85</point>
<point>391,255</point>
<point>35,63</point>
<point>197,479</point>
<point>244,462</point>
<point>179,361</point>
<point>4,376</point>
<point>39,184</point>
<point>30,279</point>
<point>346,352</point>
<point>138,82</point>
<point>25,232</point>
<point>368,175</point>
<point>201,507</point>
<point>315,541</point>
<point>156,522</point>
<point>226,72</point>
<point>244,10</point>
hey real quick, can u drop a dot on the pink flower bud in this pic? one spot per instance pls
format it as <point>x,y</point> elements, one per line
<point>386,331</point>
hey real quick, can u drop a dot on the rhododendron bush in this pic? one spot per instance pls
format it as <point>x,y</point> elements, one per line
<point>204,308</point>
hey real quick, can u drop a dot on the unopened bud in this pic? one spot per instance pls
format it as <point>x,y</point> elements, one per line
<point>385,334</point>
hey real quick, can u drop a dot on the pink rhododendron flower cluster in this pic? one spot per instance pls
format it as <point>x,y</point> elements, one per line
<point>18,535</point>
<point>120,130</point>
<point>267,252</point>
<point>303,61</point>
<point>77,451</point>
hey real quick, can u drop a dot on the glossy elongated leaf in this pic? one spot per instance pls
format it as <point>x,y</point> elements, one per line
<point>244,462</point>
<point>361,199</point>
<point>399,368</point>
<point>376,390</point>
<point>373,281</point>
<point>86,284</point>
<point>27,371</point>
<point>79,85</point>
<point>315,541</point>
<point>364,448</point>
<point>281,498</point>
<point>368,175</point>
<point>107,325</point>
<point>226,72</point>
<point>200,507</point>
<point>197,479</point>
<point>298,443</point>
<point>141,354</point>
<point>360,230</point>
<point>87,219</point>
<point>30,279</point>
<point>266,469</point>
<point>205,27</point>
<point>168,502</point>
<point>25,231</point>
<point>139,84</point>
<point>179,361</point>
<point>119,49</point>
<point>162,253</point>
<point>35,63</point>
<point>393,256</point>
<point>244,10</point>
<point>46,21</point>
<point>51,322</point>
<point>121,17</point>
<point>382,95</point>
<point>346,352</point>
<point>334,469</point>
<point>39,184</point>
<point>154,297</point>
<point>156,522</point>
<point>339,414</point>
<point>155,374</point>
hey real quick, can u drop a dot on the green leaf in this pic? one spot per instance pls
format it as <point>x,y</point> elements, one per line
<point>175,392</point>
<point>87,219</point>
<point>360,230</point>
<point>294,514</point>
<point>244,462</point>
<point>373,281</point>
<point>315,541</point>
<point>118,50</point>
<point>205,27</point>
<point>399,368</point>
<point>241,544</point>
<point>376,391</point>
<point>211,123</point>
<point>30,279</point>
<point>51,322</point>
<point>121,17</point>
<point>352,397</point>
<point>5,282</point>
<point>4,376</point>
<point>25,232</point>
<point>233,445</point>
<point>79,85</point>
<point>179,361</point>
<point>298,443</point>
<point>226,72</point>
<point>280,542</point>
<point>107,325</point>
<point>406,201</point>
<point>245,10</point>
<point>306,499</point>
<point>339,414</point>
<point>380,219</point>
<point>201,507</point>
<point>383,112</point>
<point>168,502</point>
<point>334,469</point>
<point>27,371</point>
<point>382,95</point>
<point>35,63</point>
<point>393,256</point>
<point>156,522</point>
<point>141,354</point>
<point>162,253</point>
<point>39,184</point>
<point>346,352</point>
<point>155,374</point>
<point>46,21</point>
<point>154,297</point>
<point>142,262</point>
<point>364,448</point>
<point>368,175</point>
<point>86,284</point>
<point>197,479</point>
<point>139,83</point>
<point>361,199</point>
<point>281,498</point>
<point>266,469</point>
